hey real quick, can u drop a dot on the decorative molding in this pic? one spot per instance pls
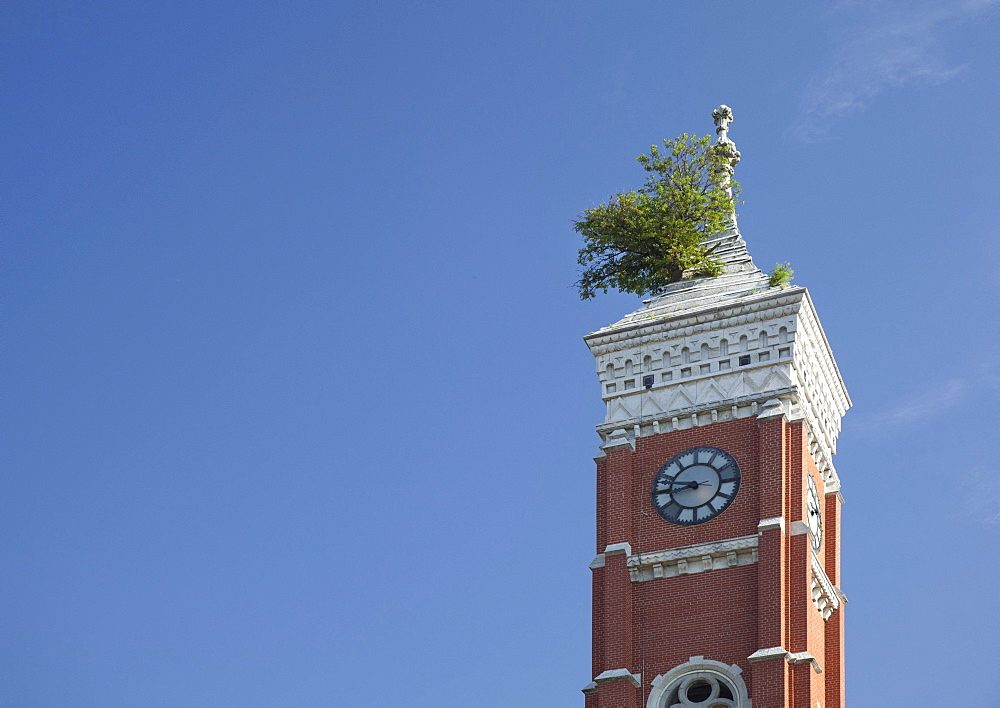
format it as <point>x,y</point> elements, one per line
<point>792,371</point>
<point>697,558</point>
<point>772,408</point>
<point>618,675</point>
<point>825,596</point>
<point>618,438</point>
<point>658,322</point>
<point>590,687</point>
<point>777,522</point>
<point>598,562</point>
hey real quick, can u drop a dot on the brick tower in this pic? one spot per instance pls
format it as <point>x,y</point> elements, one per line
<point>717,576</point>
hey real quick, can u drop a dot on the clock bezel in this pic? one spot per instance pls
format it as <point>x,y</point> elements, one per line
<point>698,516</point>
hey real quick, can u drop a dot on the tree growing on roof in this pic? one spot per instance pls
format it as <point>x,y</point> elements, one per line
<point>647,238</point>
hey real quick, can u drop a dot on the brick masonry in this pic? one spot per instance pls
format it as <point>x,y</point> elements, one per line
<point>723,614</point>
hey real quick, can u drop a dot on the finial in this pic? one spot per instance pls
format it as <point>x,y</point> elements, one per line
<point>723,116</point>
<point>727,153</point>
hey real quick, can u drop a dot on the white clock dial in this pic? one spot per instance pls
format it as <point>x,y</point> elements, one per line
<point>814,512</point>
<point>696,486</point>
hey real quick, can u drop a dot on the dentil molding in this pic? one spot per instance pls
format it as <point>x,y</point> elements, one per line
<point>825,595</point>
<point>696,558</point>
<point>761,353</point>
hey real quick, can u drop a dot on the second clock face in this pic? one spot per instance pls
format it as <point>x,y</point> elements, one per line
<point>815,513</point>
<point>696,486</point>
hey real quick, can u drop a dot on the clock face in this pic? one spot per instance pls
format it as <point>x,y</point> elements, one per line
<point>696,486</point>
<point>815,513</point>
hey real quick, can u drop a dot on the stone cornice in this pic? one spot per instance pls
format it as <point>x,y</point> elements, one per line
<point>697,558</point>
<point>763,353</point>
<point>752,308</point>
<point>825,595</point>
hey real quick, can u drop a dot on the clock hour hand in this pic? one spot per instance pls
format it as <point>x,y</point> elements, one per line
<point>682,485</point>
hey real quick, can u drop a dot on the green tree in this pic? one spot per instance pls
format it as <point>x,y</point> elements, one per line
<point>781,276</point>
<point>650,237</point>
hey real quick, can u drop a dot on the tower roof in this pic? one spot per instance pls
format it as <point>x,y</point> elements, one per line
<point>740,277</point>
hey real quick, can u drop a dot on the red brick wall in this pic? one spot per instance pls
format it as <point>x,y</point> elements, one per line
<point>722,614</point>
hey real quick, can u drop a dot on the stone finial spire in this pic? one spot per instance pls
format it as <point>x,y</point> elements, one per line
<point>723,116</point>
<point>728,246</point>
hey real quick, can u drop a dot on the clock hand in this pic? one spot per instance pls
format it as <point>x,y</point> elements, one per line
<point>680,487</point>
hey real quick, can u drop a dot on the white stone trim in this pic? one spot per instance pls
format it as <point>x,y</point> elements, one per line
<point>776,522</point>
<point>590,687</point>
<point>618,438</point>
<point>697,558</point>
<point>657,327</point>
<point>825,596</point>
<point>794,373</point>
<point>801,657</point>
<point>769,653</point>
<point>618,675</point>
<point>798,528</point>
<point>694,668</point>
<point>618,548</point>
<point>772,408</point>
<point>598,562</point>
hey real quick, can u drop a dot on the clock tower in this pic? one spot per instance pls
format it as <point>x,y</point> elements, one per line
<point>717,575</point>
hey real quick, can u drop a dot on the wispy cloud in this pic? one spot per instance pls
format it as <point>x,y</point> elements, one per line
<point>928,404</point>
<point>881,44</point>
<point>938,399</point>
<point>982,491</point>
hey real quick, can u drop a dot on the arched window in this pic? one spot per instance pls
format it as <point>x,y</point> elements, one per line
<point>647,363</point>
<point>628,367</point>
<point>724,347</point>
<point>609,372</point>
<point>686,355</point>
<point>706,352</point>
<point>763,338</point>
<point>743,343</point>
<point>666,360</point>
<point>700,683</point>
<point>783,335</point>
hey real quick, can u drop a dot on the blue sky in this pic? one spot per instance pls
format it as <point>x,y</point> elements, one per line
<point>296,409</point>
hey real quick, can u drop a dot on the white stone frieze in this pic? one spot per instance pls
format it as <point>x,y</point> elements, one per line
<point>697,558</point>
<point>825,595</point>
<point>720,363</point>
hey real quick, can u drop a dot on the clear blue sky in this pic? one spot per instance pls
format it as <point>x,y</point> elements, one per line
<point>295,406</point>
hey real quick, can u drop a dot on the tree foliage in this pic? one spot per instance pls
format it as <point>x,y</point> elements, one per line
<point>781,276</point>
<point>650,237</point>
